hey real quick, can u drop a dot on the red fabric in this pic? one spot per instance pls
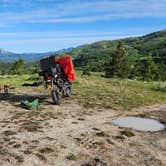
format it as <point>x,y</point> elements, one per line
<point>67,65</point>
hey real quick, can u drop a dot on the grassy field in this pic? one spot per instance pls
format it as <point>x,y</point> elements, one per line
<point>118,94</point>
<point>17,80</point>
<point>80,131</point>
<point>97,91</point>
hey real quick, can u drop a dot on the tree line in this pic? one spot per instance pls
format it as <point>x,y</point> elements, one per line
<point>142,68</point>
<point>122,62</point>
<point>19,67</point>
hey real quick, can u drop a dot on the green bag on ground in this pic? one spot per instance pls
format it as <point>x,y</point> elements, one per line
<point>30,105</point>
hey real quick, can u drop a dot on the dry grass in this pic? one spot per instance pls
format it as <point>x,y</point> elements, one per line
<point>31,126</point>
<point>97,91</point>
<point>117,94</point>
<point>46,150</point>
<point>9,132</point>
<point>127,133</point>
<point>71,156</point>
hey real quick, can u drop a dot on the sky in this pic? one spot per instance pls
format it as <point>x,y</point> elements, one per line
<point>50,25</point>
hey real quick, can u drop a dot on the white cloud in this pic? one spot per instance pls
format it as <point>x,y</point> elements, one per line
<point>77,11</point>
<point>53,43</point>
<point>77,33</point>
<point>45,41</point>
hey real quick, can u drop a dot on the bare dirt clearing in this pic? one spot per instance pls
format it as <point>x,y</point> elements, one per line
<point>71,135</point>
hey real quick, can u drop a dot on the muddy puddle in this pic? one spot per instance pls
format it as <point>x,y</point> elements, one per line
<point>139,124</point>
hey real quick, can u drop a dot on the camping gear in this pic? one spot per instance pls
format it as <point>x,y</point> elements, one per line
<point>30,105</point>
<point>67,65</point>
<point>58,74</point>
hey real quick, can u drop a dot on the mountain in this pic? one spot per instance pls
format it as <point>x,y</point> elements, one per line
<point>2,51</point>
<point>6,56</point>
<point>152,44</point>
<point>99,52</point>
<point>95,55</point>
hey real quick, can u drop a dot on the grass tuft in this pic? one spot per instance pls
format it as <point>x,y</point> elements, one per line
<point>9,132</point>
<point>159,87</point>
<point>41,157</point>
<point>71,156</point>
<point>127,133</point>
<point>46,150</point>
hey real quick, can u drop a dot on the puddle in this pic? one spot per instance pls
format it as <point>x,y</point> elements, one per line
<point>140,124</point>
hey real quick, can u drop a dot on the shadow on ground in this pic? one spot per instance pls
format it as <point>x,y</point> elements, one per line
<point>19,97</point>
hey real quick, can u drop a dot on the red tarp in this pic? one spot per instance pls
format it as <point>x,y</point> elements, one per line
<point>67,65</point>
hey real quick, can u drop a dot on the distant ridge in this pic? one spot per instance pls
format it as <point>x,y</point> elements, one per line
<point>152,44</point>
<point>7,56</point>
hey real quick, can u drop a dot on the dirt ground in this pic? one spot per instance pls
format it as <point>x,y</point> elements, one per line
<point>71,135</point>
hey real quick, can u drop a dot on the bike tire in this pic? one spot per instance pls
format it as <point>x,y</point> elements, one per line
<point>56,97</point>
<point>68,92</point>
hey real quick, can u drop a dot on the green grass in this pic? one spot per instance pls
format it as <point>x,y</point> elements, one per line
<point>117,94</point>
<point>160,87</point>
<point>71,156</point>
<point>16,80</point>
<point>127,133</point>
<point>97,91</point>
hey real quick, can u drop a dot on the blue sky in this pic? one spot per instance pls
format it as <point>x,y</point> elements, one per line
<point>48,25</point>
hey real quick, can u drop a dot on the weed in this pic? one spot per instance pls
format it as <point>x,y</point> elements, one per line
<point>35,141</point>
<point>78,139</point>
<point>25,142</point>
<point>9,132</point>
<point>41,157</point>
<point>74,122</point>
<point>34,77</point>
<point>17,146</point>
<point>102,134</point>
<point>94,162</point>
<point>19,159</point>
<point>31,126</point>
<point>27,151</point>
<point>17,115</point>
<point>159,87</point>
<point>11,142</point>
<point>98,143</point>
<point>119,137</point>
<point>71,156</point>
<point>127,133</point>
<point>96,129</point>
<point>6,139</point>
<point>87,164</point>
<point>81,119</point>
<point>46,150</point>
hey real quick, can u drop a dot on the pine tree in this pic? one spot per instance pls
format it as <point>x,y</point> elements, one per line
<point>146,69</point>
<point>161,71</point>
<point>119,64</point>
<point>150,70</point>
<point>18,67</point>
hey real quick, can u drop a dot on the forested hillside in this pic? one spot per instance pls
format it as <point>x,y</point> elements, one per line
<point>153,44</point>
<point>146,57</point>
<point>151,47</point>
<point>96,54</point>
